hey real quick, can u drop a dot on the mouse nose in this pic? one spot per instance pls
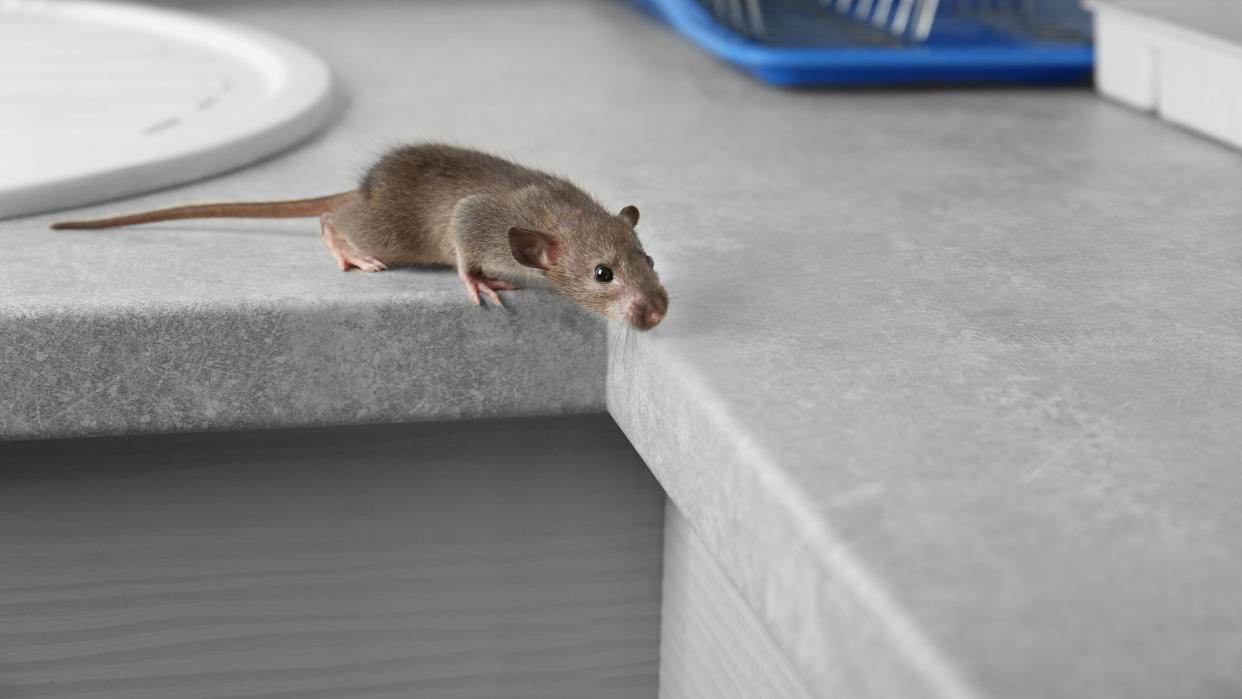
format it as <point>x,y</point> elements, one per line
<point>645,314</point>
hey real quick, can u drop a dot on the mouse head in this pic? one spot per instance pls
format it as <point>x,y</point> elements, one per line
<point>603,267</point>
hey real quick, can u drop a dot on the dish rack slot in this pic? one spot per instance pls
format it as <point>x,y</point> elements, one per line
<point>827,42</point>
<point>898,22</point>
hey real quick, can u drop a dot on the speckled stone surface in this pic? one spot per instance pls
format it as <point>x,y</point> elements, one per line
<point>951,379</point>
<point>160,367</point>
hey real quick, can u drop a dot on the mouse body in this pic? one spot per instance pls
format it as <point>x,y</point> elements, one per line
<point>500,224</point>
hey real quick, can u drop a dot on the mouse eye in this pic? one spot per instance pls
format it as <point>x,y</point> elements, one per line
<point>603,274</point>
<point>650,262</point>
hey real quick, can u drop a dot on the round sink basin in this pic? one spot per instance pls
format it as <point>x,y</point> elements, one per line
<point>101,100</point>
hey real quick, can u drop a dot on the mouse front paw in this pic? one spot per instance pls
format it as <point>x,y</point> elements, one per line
<point>477,282</point>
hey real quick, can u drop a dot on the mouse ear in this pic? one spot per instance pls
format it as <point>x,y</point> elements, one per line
<point>630,213</point>
<point>533,248</point>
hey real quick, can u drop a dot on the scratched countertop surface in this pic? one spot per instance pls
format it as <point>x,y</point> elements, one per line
<point>951,382</point>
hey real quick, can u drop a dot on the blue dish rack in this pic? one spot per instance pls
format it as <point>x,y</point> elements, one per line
<point>838,42</point>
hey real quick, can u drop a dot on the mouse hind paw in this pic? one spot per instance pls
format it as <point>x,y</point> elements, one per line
<point>346,255</point>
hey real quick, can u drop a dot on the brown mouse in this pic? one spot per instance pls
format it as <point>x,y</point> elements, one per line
<point>497,222</point>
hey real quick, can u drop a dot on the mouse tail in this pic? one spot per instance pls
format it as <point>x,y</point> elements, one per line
<point>291,208</point>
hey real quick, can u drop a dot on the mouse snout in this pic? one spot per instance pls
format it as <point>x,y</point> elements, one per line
<point>646,313</point>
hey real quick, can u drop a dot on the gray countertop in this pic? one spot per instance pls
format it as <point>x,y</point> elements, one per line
<point>950,383</point>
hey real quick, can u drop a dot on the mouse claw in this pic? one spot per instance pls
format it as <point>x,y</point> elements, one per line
<point>366,263</point>
<point>491,294</point>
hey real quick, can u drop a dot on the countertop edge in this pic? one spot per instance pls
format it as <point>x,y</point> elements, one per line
<point>788,565</point>
<point>81,371</point>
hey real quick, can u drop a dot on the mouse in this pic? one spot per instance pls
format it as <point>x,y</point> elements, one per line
<point>499,223</point>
